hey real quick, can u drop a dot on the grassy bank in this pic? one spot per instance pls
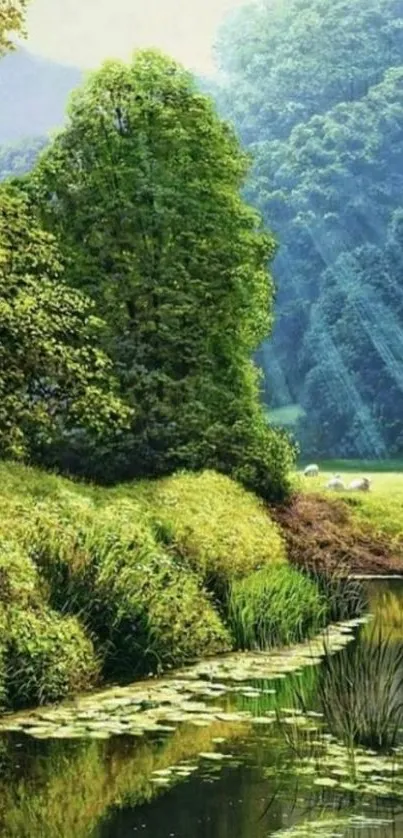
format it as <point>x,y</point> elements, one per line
<point>355,532</point>
<point>382,507</point>
<point>99,584</point>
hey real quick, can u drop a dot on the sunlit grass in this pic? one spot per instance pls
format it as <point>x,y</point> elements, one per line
<point>146,569</point>
<point>273,607</point>
<point>382,507</point>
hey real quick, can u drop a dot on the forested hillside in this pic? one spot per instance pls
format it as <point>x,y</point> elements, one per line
<point>315,90</point>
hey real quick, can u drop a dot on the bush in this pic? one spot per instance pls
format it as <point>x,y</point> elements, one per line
<point>47,657</point>
<point>19,580</point>
<point>144,607</point>
<point>158,613</point>
<point>156,573</point>
<point>220,530</point>
<point>277,605</point>
<point>259,457</point>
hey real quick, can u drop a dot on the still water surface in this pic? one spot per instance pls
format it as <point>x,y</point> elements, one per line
<point>120,788</point>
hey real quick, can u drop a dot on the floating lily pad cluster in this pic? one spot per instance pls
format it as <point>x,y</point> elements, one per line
<point>188,696</point>
<point>208,766</point>
<point>331,765</point>
<point>330,827</point>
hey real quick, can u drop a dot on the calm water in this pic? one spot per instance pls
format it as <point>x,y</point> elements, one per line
<point>109,788</point>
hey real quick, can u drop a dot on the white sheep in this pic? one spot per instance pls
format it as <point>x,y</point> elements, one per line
<point>311,470</point>
<point>360,484</point>
<point>335,483</point>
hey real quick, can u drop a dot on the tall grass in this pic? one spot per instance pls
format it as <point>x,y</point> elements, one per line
<point>345,598</point>
<point>275,606</point>
<point>361,692</point>
<point>283,605</point>
<point>135,577</point>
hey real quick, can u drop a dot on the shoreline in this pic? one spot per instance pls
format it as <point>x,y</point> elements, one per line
<point>323,536</point>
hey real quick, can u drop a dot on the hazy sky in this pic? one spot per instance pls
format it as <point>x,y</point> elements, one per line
<point>84,32</point>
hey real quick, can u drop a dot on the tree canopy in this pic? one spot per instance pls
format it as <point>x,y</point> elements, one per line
<point>315,92</point>
<point>54,378</point>
<point>142,190</point>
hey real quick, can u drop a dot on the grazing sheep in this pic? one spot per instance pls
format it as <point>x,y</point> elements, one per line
<point>335,483</point>
<point>361,484</point>
<point>311,470</point>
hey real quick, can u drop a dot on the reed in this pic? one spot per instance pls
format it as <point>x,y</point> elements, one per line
<point>274,606</point>
<point>361,692</point>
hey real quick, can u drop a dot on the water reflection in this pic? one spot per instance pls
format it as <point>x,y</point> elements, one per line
<point>109,789</point>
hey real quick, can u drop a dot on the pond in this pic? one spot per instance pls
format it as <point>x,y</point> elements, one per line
<point>233,748</point>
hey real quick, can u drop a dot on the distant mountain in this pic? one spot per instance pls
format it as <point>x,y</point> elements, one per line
<point>33,95</point>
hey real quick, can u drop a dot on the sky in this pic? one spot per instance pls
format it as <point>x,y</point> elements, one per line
<point>85,32</point>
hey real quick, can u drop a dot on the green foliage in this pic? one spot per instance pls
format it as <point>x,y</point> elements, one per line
<point>315,92</point>
<point>47,657</point>
<point>144,607</point>
<point>145,568</point>
<point>159,612</point>
<point>19,581</point>
<point>142,189</point>
<point>43,656</point>
<point>221,531</point>
<point>288,61</point>
<point>12,20</point>
<point>275,606</point>
<point>53,375</point>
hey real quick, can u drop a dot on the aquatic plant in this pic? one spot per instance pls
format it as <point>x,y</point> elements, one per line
<point>344,596</point>
<point>360,692</point>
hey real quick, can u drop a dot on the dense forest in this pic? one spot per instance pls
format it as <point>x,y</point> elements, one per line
<point>315,90</point>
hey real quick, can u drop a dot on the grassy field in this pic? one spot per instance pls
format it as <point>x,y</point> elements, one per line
<point>382,507</point>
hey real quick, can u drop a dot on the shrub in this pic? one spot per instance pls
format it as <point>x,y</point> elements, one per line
<point>221,530</point>
<point>158,613</point>
<point>156,573</point>
<point>256,455</point>
<point>277,605</point>
<point>19,580</point>
<point>47,657</point>
<point>145,609</point>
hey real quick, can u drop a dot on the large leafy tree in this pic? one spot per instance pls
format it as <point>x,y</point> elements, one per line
<point>54,379</point>
<point>143,190</point>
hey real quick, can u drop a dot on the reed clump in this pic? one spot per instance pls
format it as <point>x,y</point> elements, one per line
<point>361,691</point>
<point>283,605</point>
